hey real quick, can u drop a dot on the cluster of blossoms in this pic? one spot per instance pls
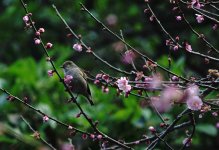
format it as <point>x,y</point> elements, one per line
<point>173,95</point>
<point>123,85</point>
<point>193,100</point>
<point>102,78</point>
<point>169,96</point>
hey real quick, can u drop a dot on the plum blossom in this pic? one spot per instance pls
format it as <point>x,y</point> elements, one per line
<point>77,47</point>
<point>194,103</point>
<point>196,4</point>
<point>188,47</point>
<point>187,141</point>
<point>48,45</point>
<point>178,18</point>
<point>192,90</point>
<point>168,96</point>
<point>37,41</point>
<point>123,84</point>
<point>45,118</point>
<point>25,18</point>
<point>111,20</point>
<point>199,18</point>
<point>128,57</point>
<point>68,79</point>
<point>217,125</point>
<point>50,73</point>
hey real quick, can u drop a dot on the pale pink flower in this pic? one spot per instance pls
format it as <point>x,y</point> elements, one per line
<point>194,103</point>
<point>123,84</point>
<point>192,90</point>
<point>25,18</point>
<point>67,146</point>
<point>160,104</point>
<point>152,129</point>
<point>196,4</point>
<point>156,81</point>
<point>176,47</point>
<point>68,79</point>
<point>37,41</point>
<point>111,20</point>
<point>99,136</point>
<point>45,118</point>
<point>48,45</point>
<point>217,125</point>
<point>37,33</point>
<point>77,47</point>
<point>50,73</point>
<point>215,26</point>
<point>199,18</point>
<point>188,47</point>
<point>92,136</point>
<point>178,18</point>
<point>41,30</point>
<point>128,57</point>
<point>187,141</point>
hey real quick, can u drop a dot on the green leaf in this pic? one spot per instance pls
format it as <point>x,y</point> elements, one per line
<point>207,129</point>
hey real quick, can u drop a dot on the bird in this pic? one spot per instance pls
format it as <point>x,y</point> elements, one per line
<point>79,83</point>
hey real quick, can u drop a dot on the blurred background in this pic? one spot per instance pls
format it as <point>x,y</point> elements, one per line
<point>24,70</point>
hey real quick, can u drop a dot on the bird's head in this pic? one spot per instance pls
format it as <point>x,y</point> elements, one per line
<point>68,65</point>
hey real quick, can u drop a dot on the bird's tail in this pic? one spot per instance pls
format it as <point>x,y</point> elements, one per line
<point>89,98</point>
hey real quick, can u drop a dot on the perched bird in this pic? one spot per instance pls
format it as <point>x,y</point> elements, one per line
<point>79,83</point>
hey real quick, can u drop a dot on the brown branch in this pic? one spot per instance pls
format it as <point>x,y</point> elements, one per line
<point>38,137</point>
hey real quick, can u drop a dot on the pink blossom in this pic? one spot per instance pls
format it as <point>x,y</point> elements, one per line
<point>217,125</point>
<point>192,90</point>
<point>156,81</point>
<point>111,19</point>
<point>168,97</point>
<point>67,146</point>
<point>37,41</point>
<point>37,33</point>
<point>41,30</point>
<point>188,47</point>
<point>25,18</point>
<point>123,84</point>
<point>92,136</point>
<point>68,79</point>
<point>128,57</point>
<point>77,47</point>
<point>199,18</point>
<point>178,18</point>
<point>152,129</point>
<point>50,73</point>
<point>215,114</point>
<point>99,136</point>
<point>215,26</point>
<point>45,118</point>
<point>160,105</point>
<point>196,4</point>
<point>187,141</point>
<point>194,103</point>
<point>48,45</point>
<point>176,47</point>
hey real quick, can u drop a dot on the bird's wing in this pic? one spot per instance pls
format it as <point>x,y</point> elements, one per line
<point>83,74</point>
